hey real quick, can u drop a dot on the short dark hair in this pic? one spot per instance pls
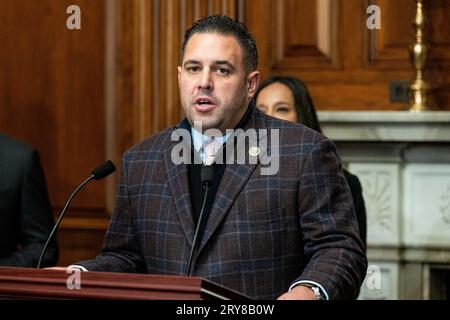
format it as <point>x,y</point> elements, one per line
<point>226,26</point>
<point>306,114</point>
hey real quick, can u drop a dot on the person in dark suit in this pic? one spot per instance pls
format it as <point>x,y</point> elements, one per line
<point>25,213</point>
<point>283,228</point>
<point>288,98</point>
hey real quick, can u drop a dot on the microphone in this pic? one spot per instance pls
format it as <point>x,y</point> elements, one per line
<point>206,176</point>
<point>98,173</point>
<point>103,170</point>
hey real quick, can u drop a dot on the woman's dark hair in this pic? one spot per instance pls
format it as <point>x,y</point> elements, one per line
<point>306,114</point>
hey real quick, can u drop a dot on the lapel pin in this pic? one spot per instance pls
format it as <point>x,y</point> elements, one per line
<point>254,151</point>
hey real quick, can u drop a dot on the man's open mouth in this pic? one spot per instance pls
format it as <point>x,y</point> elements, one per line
<point>204,104</point>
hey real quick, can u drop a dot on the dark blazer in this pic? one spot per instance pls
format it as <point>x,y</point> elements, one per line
<point>264,231</point>
<point>358,201</point>
<point>25,213</point>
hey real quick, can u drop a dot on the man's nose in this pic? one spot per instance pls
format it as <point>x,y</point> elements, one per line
<point>206,81</point>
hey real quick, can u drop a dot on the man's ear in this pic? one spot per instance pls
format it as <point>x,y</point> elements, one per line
<point>179,74</point>
<point>252,83</point>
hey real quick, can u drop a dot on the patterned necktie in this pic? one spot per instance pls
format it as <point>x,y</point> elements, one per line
<point>210,148</point>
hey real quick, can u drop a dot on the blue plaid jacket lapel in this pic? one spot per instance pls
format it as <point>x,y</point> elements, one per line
<point>179,186</point>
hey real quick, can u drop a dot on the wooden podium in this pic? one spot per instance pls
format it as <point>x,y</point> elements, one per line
<point>21,283</point>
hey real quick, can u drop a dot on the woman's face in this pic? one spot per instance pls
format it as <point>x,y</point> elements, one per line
<point>277,101</point>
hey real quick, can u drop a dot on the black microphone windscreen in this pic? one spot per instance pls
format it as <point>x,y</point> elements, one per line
<point>206,174</point>
<point>103,170</point>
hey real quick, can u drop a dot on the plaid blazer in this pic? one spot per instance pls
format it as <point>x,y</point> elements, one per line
<point>264,232</point>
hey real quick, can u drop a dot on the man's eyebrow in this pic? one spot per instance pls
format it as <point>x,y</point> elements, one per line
<point>224,62</point>
<point>217,62</point>
<point>190,62</point>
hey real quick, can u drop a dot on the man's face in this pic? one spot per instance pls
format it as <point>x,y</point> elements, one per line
<point>215,87</point>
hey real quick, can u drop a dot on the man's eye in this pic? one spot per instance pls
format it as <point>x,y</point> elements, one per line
<point>193,69</point>
<point>223,71</point>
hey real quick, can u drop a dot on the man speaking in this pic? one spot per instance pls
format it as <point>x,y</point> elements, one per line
<point>290,234</point>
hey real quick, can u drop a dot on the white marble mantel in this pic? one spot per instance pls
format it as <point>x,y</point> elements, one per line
<point>433,126</point>
<point>402,160</point>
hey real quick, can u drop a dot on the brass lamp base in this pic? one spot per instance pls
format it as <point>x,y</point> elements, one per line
<point>420,96</point>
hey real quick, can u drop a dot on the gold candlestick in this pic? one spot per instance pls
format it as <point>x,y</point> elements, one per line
<point>420,98</point>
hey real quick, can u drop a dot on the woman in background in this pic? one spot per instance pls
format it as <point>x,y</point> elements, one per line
<point>287,98</point>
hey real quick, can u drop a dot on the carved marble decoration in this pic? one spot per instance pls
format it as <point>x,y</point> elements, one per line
<point>380,185</point>
<point>427,205</point>
<point>444,208</point>
<point>409,218</point>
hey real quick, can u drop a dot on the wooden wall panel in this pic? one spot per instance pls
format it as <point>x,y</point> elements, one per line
<point>346,65</point>
<point>52,97</point>
<point>388,48</point>
<point>149,37</point>
<point>325,43</point>
<point>439,34</point>
<point>306,40</point>
<point>79,243</point>
<point>51,90</point>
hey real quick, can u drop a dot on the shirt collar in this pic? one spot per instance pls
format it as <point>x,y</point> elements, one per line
<point>199,139</point>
